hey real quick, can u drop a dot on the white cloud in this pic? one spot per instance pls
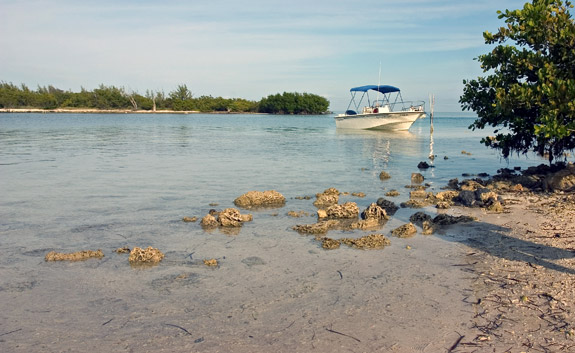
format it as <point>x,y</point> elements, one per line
<point>223,47</point>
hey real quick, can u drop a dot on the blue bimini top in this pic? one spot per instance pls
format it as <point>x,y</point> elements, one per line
<point>380,88</point>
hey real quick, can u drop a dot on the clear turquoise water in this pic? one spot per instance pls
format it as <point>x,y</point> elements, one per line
<point>74,182</point>
<point>64,171</point>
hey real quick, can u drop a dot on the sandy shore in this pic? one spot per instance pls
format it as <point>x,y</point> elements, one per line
<point>503,283</point>
<point>522,263</point>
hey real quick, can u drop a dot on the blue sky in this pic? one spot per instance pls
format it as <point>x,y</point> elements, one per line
<point>251,48</point>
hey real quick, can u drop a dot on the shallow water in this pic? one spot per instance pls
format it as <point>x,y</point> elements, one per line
<point>71,182</point>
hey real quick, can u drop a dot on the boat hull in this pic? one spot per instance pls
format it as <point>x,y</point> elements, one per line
<point>391,121</point>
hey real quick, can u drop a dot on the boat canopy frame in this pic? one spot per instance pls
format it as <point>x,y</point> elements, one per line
<point>386,99</point>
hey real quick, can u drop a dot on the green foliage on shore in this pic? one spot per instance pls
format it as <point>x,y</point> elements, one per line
<point>181,99</point>
<point>530,86</point>
<point>294,103</point>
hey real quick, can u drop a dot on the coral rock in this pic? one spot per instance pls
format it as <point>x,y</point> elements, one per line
<point>145,256</point>
<point>563,180</point>
<point>384,175</point>
<point>374,212</point>
<point>389,207</point>
<point>417,178</point>
<point>330,244</point>
<point>392,193</point>
<point>209,221</point>
<point>428,227</point>
<point>372,241</point>
<point>211,262</point>
<point>75,256</point>
<point>252,199</point>
<point>404,231</point>
<point>231,217</point>
<point>347,210</point>
<point>328,197</point>
<point>317,228</point>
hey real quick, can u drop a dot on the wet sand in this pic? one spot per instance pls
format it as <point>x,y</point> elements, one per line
<point>503,283</point>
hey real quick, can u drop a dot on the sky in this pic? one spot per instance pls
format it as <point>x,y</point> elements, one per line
<point>251,48</point>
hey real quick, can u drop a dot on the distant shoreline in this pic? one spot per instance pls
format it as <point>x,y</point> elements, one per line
<point>112,111</point>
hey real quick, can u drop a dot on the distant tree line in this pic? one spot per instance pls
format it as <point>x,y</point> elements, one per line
<point>293,103</point>
<point>181,99</point>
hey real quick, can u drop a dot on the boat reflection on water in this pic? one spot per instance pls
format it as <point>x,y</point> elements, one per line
<point>382,147</point>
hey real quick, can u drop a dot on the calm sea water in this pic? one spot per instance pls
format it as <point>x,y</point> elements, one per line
<point>65,172</point>
<point>74,182</point>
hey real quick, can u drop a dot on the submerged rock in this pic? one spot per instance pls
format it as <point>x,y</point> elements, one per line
<point>417,178</point>
<point>392,193</point>
<point>189,219</point>
<point>417,194</point>
<point>253,261</point>
<point>75,256</point>
<point>253,199</point>
<point>405,231</point>
<point>384,175</point>
<point>297,214</point>
<point>145,256</point>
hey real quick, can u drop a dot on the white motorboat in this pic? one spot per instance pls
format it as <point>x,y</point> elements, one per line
<point>387,111</point>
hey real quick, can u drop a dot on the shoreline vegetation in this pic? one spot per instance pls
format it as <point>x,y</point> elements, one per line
<point>114,111</point>
<point>111,99</point>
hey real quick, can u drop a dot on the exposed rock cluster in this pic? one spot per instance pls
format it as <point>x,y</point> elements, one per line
<point>230,217</point>
<point>327,198</point>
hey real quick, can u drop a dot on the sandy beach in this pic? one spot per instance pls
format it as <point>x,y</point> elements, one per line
<point>503,283</point>
<point>522,263</point>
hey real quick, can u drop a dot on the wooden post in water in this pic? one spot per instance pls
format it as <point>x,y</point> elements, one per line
<point>432,105</point>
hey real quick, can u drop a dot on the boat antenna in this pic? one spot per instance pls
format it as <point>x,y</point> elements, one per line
<point>378,84</point>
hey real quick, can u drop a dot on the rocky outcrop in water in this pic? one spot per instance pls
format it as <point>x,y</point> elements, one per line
<point>389,207</point>
<point>256,199</point>
<point>327,198</point>
<point>405,231</point>
<point>346,210</point>
<point>230,217</point>
<point>75,256</point>
<point>145,256</point>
